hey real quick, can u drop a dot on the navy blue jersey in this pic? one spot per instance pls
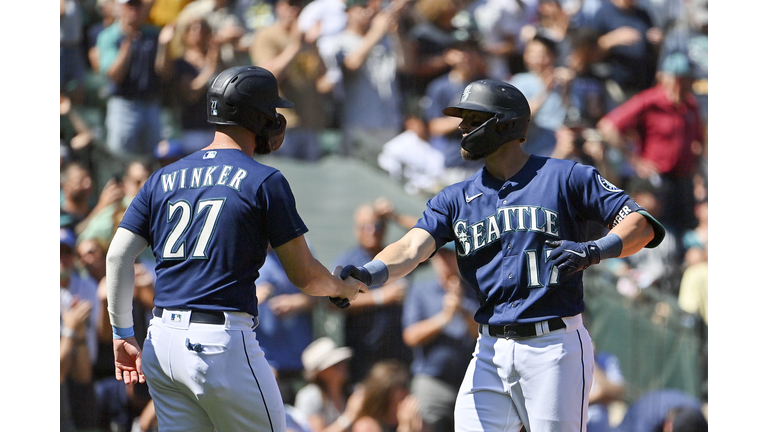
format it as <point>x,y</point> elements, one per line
<point>499,228</point>
<point>208,219</point>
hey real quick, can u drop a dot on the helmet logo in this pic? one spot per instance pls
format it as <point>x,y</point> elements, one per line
<point>214,110</point>
<point>465,94</point>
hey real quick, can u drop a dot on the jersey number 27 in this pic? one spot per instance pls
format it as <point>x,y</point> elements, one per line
<point>176,241</point>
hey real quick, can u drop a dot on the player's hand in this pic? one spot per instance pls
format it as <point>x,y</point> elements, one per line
<point>128,360</point>
<point>570,256</point>
<point>342,302</point>
<point>360,273</point>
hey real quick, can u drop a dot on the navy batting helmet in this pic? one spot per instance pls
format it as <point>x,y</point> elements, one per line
<point>246,96</point>
<point>511,114</point>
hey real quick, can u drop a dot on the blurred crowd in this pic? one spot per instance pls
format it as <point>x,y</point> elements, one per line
<point>618,84</point>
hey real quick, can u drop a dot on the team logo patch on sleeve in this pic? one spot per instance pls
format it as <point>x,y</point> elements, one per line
<point>607,185</point>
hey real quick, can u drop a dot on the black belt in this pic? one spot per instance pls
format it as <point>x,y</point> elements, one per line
<point>198,316</point>
<point>514,331</point>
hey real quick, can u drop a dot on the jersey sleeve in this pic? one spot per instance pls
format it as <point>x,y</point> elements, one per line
<point>594,197</point>
<point>437,219</point>
<point>136,217</point>
<point>283,221</point>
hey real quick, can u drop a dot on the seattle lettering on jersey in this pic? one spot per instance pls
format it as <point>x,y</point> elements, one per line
<point>203,177</point>
<point>507,219</point>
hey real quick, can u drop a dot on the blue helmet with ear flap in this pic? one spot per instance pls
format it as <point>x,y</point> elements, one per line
<point>510,109</point>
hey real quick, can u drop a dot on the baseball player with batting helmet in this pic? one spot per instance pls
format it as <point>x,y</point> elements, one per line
<point>209,218</point>
<point>520,230</point>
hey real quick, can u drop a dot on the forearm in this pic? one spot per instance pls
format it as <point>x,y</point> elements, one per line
<point>278,64</point>
<point>123,251</point>
<point>355,60</point>
<point>635,232</point>
<point>403,256</point>
<point>610,133</point>
<point>163,67</point>
<point>425,331</point>
<point>119,68</point>
<point>305,272</point>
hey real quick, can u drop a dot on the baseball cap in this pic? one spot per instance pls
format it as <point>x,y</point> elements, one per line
<point>322,354</point>
<point>677,64</point>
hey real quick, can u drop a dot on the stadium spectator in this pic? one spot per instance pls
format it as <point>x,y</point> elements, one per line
<point>106,10</point>
<point>230,31</point>
<point>499,23</point>
<point>77,208</point>
<point>553,23</point>
<point>293,58</point>
<point>387,403</point>
<point>373,322</point>
<point>467,65</point>
<point>630,44</point>
<point>657,268</point>
<point>659,131</point>
<point>584,80</point>
<point>429,31</point>
<point>72,60</point>
<point>122,407</point>
<point>368,54</point>
<point>649,412</point>
<point>410,158</point>
<point>79,321</point>
<point>188,78</point>
<point>545,93</point>
<point>118,193</point>
<point>126,52</point>
<point>439,325</point>
<point>607,388</point>
<point>327,401</point>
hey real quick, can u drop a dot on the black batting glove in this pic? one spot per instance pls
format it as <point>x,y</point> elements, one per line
<point>570,256</point>
<point>359,273</point>
<point>339,302</point>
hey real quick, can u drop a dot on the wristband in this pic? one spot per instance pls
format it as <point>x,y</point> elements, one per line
<point>609,246</point>
<point>122,332</point>
<point>379,272</point>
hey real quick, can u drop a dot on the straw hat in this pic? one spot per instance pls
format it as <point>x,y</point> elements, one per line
<point>322,354</point>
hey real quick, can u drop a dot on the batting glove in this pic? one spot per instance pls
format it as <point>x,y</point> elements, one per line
<point>360,273</point>
<point>570,256</point>
<point>340,303</point>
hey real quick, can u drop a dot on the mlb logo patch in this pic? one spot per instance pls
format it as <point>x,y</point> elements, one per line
<point>209,155</point>
<point>175,317</point>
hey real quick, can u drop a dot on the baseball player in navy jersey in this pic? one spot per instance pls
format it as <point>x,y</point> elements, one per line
<point>520,230</point>
<point>208,219</point>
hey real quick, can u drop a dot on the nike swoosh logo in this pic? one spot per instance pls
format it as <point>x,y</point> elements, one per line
<point>470,198</point>
<point>579,254</point>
